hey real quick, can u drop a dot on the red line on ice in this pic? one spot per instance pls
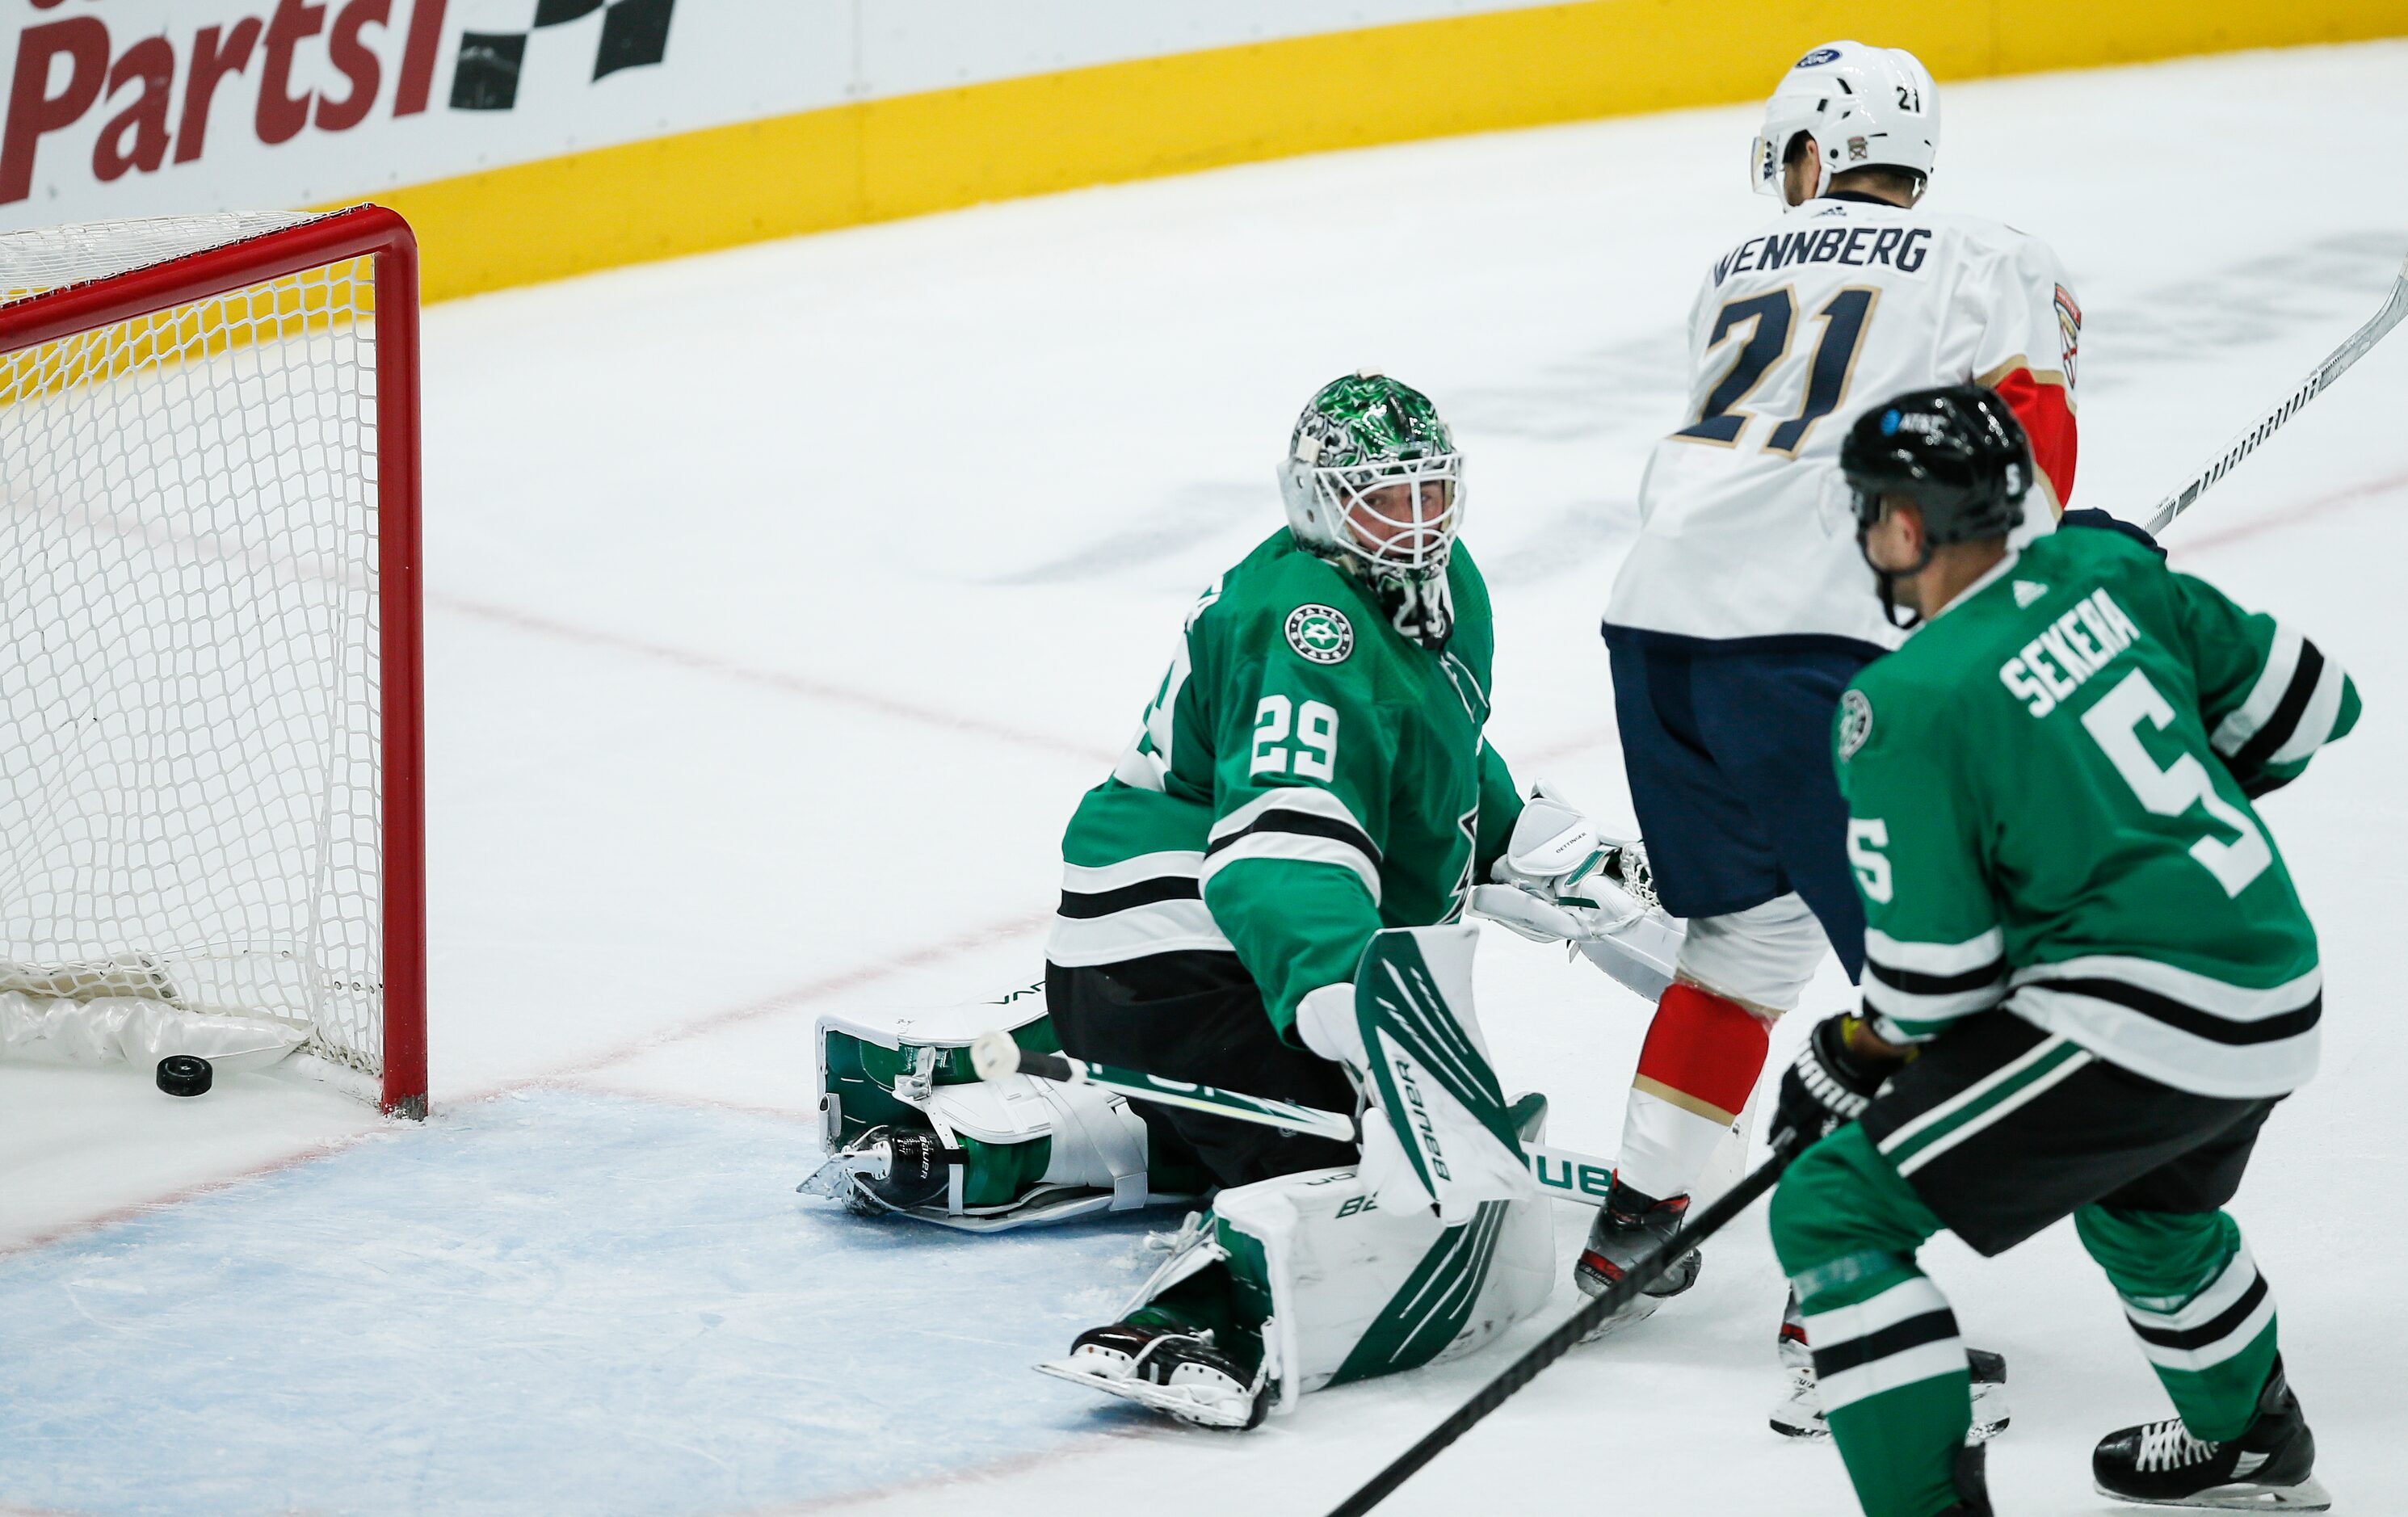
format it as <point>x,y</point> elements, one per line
<point>2357,494</point>
<point>791,685</point>
<point>803,994</point>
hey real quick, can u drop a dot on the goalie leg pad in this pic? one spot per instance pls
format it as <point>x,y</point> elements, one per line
<point>1008,1153</point>
<point>877,1067</point>
<point>998,1153</point>
<point>1340,1289</point>
<point>1349,1289</point>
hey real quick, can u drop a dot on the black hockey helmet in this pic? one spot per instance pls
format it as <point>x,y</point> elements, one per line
<point>1956,451</point>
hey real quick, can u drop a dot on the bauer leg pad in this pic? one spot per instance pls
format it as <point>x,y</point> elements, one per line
<point>1349,1290</point>
<point>911,1130</point>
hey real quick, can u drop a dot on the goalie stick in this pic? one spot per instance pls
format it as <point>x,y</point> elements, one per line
<point>2395,307</point>
<point>1578,1176</point>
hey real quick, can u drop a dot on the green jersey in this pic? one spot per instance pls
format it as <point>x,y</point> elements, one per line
<point>2048,808</point>
<point>1305,776</point>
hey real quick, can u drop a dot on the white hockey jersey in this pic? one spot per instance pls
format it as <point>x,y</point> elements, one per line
<point>1746,529</point>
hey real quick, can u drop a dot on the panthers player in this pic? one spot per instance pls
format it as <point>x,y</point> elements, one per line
<point>1743,607</point>
<point>1313,770</point>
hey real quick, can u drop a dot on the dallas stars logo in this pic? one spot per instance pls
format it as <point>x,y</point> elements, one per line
<point>1321,634</point>
<point>1856,722</point>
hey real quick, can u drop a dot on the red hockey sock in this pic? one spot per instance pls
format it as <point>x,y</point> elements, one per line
<point>1701,1061</point>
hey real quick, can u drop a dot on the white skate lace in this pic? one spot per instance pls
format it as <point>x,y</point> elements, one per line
<point>2168,1445</point>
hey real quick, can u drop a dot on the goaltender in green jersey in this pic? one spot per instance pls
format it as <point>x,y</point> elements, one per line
<point>2081,933</point>
<point>1266,896</point>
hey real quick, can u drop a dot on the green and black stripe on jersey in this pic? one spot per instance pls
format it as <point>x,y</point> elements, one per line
<point>1304,776</point>
<point>2048,792</point>
<point>2294,707</point>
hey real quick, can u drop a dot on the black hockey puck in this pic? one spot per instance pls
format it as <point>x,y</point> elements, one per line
<point>185,1074</point>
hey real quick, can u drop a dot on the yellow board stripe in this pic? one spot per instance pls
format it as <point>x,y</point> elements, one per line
<point>293,306</point>
<point>877,160</point>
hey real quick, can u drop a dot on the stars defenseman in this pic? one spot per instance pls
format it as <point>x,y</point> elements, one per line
<point>2090,979</point>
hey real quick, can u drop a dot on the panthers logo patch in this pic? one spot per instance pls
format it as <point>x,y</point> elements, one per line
<point>1320,633</point>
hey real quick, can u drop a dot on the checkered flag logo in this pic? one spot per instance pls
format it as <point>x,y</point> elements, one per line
<point>635,33</point>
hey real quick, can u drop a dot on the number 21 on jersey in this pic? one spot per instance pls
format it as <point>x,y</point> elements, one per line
<point>1770,321</point>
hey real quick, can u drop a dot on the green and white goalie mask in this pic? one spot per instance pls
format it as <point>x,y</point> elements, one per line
<point>911,1130</point>
<point>1373,482</point>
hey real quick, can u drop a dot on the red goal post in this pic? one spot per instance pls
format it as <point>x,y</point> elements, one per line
<point>209,455</point>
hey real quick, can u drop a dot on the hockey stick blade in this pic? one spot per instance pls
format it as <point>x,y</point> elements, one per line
<point>1571,1330</point>
<point>2362,342</point>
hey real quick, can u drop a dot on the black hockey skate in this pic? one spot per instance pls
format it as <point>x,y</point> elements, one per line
<point>1178,1373</point>
<point>1629,1227</point>
<point>1972,1480</point>
<point>2267,1469</point>
<point>886,1170</point>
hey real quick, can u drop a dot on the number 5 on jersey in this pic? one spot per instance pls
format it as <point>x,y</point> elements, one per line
<point>2114,720</point>
<point>1314,754</point>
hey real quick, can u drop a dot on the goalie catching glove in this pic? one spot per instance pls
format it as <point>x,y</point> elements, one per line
<point>1562,880</point>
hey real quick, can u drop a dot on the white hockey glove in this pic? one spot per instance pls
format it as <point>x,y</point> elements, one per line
<point>1561,878</point>
<point>1326,1023</point>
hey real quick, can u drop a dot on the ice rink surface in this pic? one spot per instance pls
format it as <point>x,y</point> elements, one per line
<point>783,601</point>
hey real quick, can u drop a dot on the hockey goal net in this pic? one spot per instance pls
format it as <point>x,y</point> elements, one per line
<point>210,752</point>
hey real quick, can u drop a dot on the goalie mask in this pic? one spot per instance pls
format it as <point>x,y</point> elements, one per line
<point>1373,482</point>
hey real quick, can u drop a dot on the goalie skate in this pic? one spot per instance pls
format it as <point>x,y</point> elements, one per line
<point>885,1169</point>
<point>1180,1375</point>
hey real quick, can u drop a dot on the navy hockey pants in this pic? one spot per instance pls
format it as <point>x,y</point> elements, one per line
<point>1727,747</point>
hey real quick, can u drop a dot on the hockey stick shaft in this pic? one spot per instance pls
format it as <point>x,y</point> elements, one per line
<point>1568,1174</point>
<point>1574,1328</point>
<point>2335,365</point>
<point>994,1055</point>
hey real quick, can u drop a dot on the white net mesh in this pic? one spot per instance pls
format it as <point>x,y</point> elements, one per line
<point>189,720</point>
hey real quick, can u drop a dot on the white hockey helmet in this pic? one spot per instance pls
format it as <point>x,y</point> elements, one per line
<point>1864,108</point>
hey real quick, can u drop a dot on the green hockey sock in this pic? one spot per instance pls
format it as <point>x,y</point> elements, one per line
<point>1888,1362</point>
<point>2195,1299</point>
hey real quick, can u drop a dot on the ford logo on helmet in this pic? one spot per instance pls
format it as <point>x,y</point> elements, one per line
<point>1820,55</point>
<point>1889,423</point>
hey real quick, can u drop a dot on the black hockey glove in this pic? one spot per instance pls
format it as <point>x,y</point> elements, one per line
<point>1831,1081</point>
<point>2097,520</point>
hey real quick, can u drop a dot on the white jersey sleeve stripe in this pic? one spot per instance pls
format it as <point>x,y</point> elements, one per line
<point>2242,723</point>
